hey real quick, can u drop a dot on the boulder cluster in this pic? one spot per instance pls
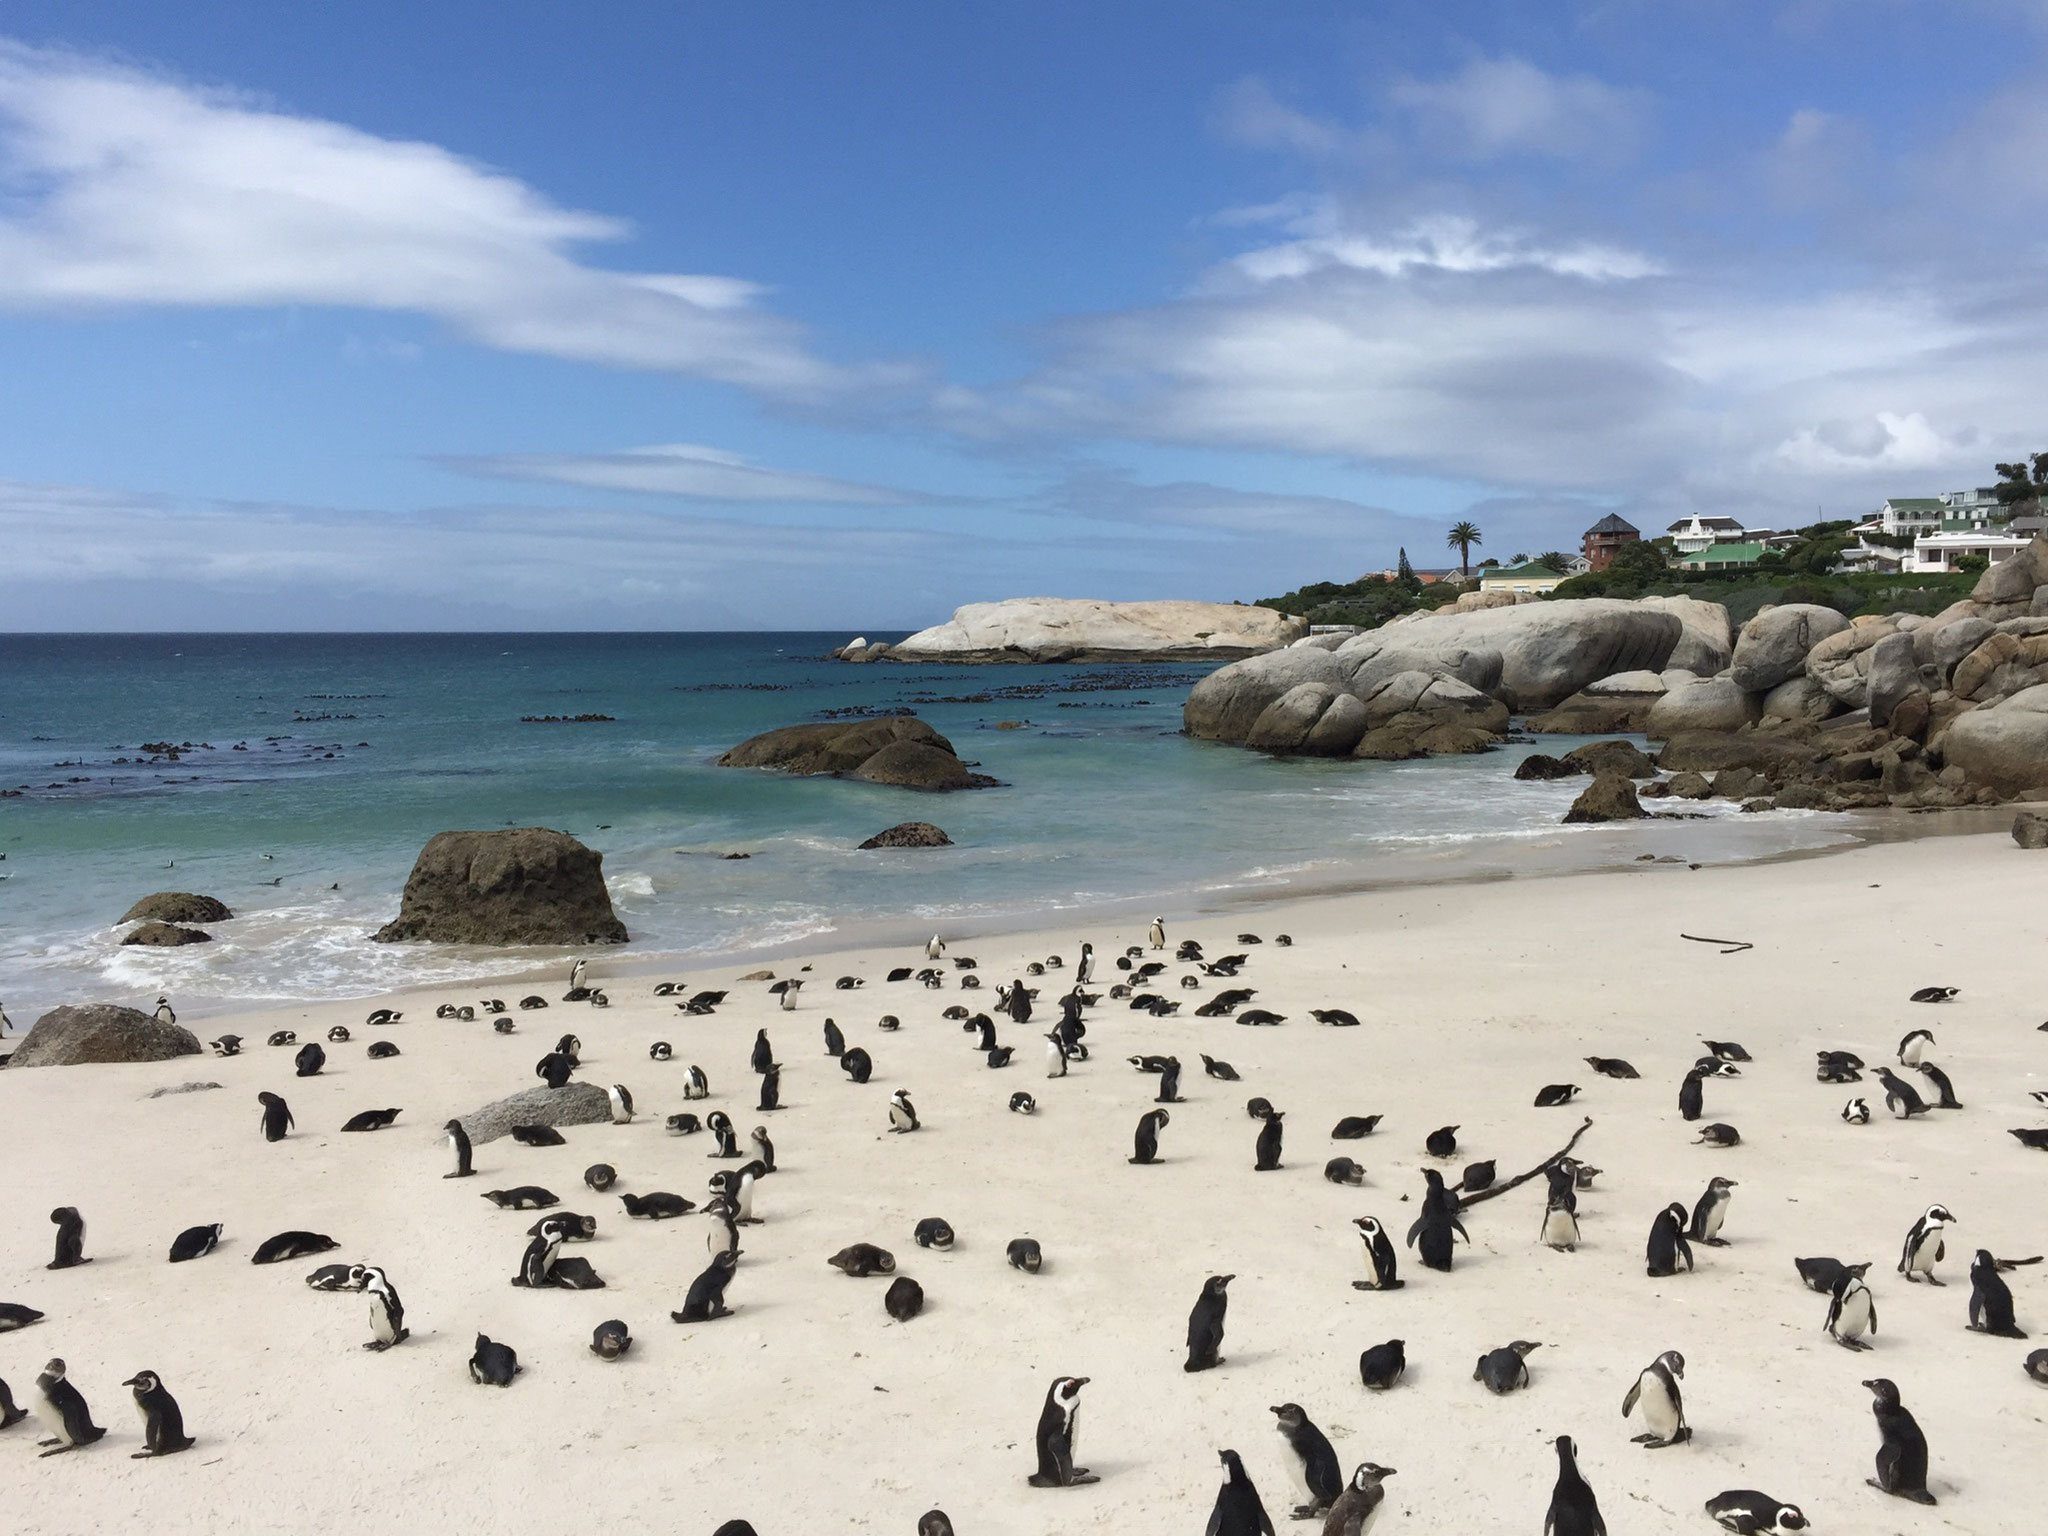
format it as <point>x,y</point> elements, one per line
<point>1803,708</point>
<point>899,750</point>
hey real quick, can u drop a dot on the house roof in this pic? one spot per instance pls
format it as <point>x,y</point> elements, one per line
<point>1725,554</point>
<point>1704,522</point>
<point>1613,524</point>
<point>1532,570</point>
<point>1915,503</point>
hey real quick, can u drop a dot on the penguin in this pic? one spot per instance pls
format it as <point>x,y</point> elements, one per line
<point>1055,1055</point>
<point>506,1026</point>
<point>1380,1258</point>
<point>338,1035</point>
<point>933,1522</point>
<point>382,1050</point>
<point>1477,1177</point>
<point>723,1236</point>
<point>1156,934</point>
<point>1336,1018</point>
<point>64,1412</point>
<point>2036,1367</point>
<point>1442,1142</point>
<point>1025,1254</point>
<point>163,1014</point>
<point>1058,1436</point>
<point>859,1260</point>
<point>1342,1170</point>
<point>538,1136</point>
<point>309,1060</point>
<point>1690,1096</point>
<point>379,1016</point>
<point>1023,1104</point>
<point>1169,1086</point>
<point>1238,1511</point>
<point>1934,995</point>
<point>857,1064</point>
<point>720,1125</point>
<point>1856,1112</point>
<point>1924,1247</point>
<point>554,1068</point>
<point>1710,1212</point>
<point>1852,1310</point>
<point>70,1238</point>
<point>458,1143</point>
<point>1555,1094</point>
<point>227,1045</point>
<point>763,1054</point>
<point>934,948</point>
<point>706,1300</point>
<point>1563,1178</point>
<point>14,1316</point>
<point>835,1039</point>
<point>1725,1050</point>
<point>1611,1066</point>
<point>661,1050</point>
<point>572,1048</point>
<point>387,1312</point>
<point>622,1103</point>
<point>577,972</point>
<point>194,1242</point>
<point>934,1232</point>
<point>1359,1505</point>
<point>1574,1511</point>
<point>1667,1242</point>
<point>683,1125</point>
<point>902,1113</point>
<point>277,1116</point>
<point>1902,1451</point>
<point>291,1245</point>
<point>695,1084</point>
<point>1913,1045</point>
<point>2038,1140</point>
<point>1084,969</point>
<point>1267,1149</point>
<point>282,1037</point>
<point>11,1414</point>
<point>1899,1095</point>
<point>1990,1299</point>
<point>736,1187</point>
<point>1820,1274</point>
<point>904,1299</point>
<point>1355,1127</point>
<point>1747,1512</point>
<point>1435,1227</point>
<point>1222,1071</point>
<point>786,992</point>
<point>1945,1091</point>
<point>526,1197</point>
<point>611,1339</point>
<point>1382,1366</point>
<point>1019,1003</point>
<point>1505,1369</point>
<point>1146,1148</point>
<point>1656,1389</point>
<point>1718,1135</point>
<point>1314,1464</point>
<point>1205,1324</point>
<point>656,1205</point>
<point>163,1425</point>
<point>493,1364</point>
<point>1560,1228</point>
<point>371,1120</point>
<point>764,1149</point>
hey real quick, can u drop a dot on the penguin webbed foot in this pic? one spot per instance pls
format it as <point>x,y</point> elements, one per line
<point>1715,1242</point>
<point>59,1451</point>
<point>1932,1281</point>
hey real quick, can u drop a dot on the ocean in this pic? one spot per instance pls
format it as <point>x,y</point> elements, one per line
<point>309,770</point>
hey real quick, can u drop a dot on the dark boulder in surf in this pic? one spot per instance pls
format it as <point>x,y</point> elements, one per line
<point>910,834</point>
<point>525,885</point>
<point>177,907</point>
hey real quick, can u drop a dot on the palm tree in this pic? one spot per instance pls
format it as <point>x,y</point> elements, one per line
<point>1462,537</point>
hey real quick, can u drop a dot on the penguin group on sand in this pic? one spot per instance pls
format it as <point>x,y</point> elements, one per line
<point>1689,1240</point>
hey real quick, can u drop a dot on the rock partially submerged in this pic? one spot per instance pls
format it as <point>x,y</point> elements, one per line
<point>1610,797</point>
<point>1057,629</point>
<point>177,907</point>
<point>910,834</point>
<point>524,885</point>
<point>895,749</point>
<point>165,935</point>
<point>100,1032</point>
<point>570,1104</point>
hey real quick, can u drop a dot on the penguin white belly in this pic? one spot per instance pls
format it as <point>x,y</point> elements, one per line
<point>1660,1414</point>
<point>1924,1253</point>
<point>1297,1474</point>
<point>51,1420</point>
<point>1710,1227</point>
<point>1560,1228</point>
<point>1854,1320</point>
<point>381,1326</point>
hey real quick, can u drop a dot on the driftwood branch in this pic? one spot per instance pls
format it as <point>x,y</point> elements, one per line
<point>1735,946</point>
<point>1465,1201</point>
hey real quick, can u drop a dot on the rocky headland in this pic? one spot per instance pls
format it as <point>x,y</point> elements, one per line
<point>1058,629</point>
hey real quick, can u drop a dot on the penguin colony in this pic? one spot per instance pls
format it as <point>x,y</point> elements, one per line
<point>1563,1211</point>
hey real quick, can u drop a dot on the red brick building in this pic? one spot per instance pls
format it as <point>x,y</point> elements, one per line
<point>1604,538</point>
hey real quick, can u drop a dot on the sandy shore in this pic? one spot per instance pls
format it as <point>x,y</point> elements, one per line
<point>810,1410</point>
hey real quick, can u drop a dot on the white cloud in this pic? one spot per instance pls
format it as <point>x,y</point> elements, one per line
<point>1508,106</point>
<point>1446,243</point>
<point>678,469</point>
<point>1251,114</point>
<point>127,189</point>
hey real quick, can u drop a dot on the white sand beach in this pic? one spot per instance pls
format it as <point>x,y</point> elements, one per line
<point>810,1410</point>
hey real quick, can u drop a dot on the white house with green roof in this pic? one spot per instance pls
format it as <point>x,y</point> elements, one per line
<point>1534,578</point>
<point>1926,535</point>
<point>1723,557</point>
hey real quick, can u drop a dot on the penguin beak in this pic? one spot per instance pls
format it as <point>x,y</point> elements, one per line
<point>131,1381</point>
<point>1082,1381</point>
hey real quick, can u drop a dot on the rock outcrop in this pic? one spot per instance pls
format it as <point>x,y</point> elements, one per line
<point>910,834</point>
<point>177,907</point>
<point>1058,629</point>
<point>165,935</point>
<point>1774,645</point>
<point>570,1104</point>
<point>2005,745</point>
<point>1608,798</point>
<point>100,1032</point>
<point>1711,704</point>
<point>525,885</point>
<point>2030,829</point>
<point>899,750</point>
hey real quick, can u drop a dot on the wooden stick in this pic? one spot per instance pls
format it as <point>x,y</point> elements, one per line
<point>1735,946</point>
<point>1465,1201</point>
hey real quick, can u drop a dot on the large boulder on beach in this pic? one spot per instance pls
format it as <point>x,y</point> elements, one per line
<point>164,935</point>
<point>2014,578</point>
<point>1773,646</point>
<point>177,907</point>
<point>1060,629</point>
<point>893,749</point>
<point>2030,829</point>
<point>100,1032</point>
<point>1608,798</point>
<point>910,834</point>
<point>1840,663</point>
<point>1622,758</point>
<point>1894,673</point>
<point>1706,644</point>
<point>1711,704</point>
<point>1799,698</point>
<point>2003,746</point>
<point>570,1104</point>
<point>523,885</point>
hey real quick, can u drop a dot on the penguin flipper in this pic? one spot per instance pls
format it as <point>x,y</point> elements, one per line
<point>1628,1404</point>
<point>1413,1229</point>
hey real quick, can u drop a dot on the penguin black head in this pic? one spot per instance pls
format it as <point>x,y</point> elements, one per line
<point>1215,1285</point>
<point>1290,1415</point>
<point>934,1523</point>
<point>54,1369</point>
<point>1233,1464</point>
<point>1368,1475</point>
<point>1673,1362</point>
<point>1884,1391</point>
<point>1367,1226</point>
<point>144,1382</point>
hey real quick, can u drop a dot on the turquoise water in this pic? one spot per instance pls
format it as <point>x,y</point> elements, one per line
<point>321,763</point>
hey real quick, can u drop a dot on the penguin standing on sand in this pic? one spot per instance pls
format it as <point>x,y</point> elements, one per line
<point>1913,1046</point>
<point>1359,1505</point>
<point>1317,1476</point>
<point>1902,1452</point>
<point>576,974</point>
<point>1925,1246</point>
<point>458,1143</point>
<point>1900,1097</point>
<point>1662,1404</point>
<point>64,1412</point>
<point>277,1116</point>
<point>1990,1299</point>
<point>1380,1259</point>
<point>1238,1511</point>
<point>1560,1225</point>
<point>1852,1311</point>
<point>1435,1228</point>
<point>1205,1324</point>
<point>70,1238</point>
<point>934,948</point>
<point>1084,969</point>
<point>902,1113</point>
<point>387,1312</point>
<point>1156,934</point>
<point>1690,1095</point>
<point>1055,1056</point>
<point>1146,1143</point>
<point>163,1426</point>
<point>1667,1242</point>
<point>1710,1211</point>
<point>1945,1093</point>
<point>1266,1153</point>
<point>1574,1511</point>
<point>1058,1436</point>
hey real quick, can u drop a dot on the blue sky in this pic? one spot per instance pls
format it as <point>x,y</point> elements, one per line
<point>685,315</point>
